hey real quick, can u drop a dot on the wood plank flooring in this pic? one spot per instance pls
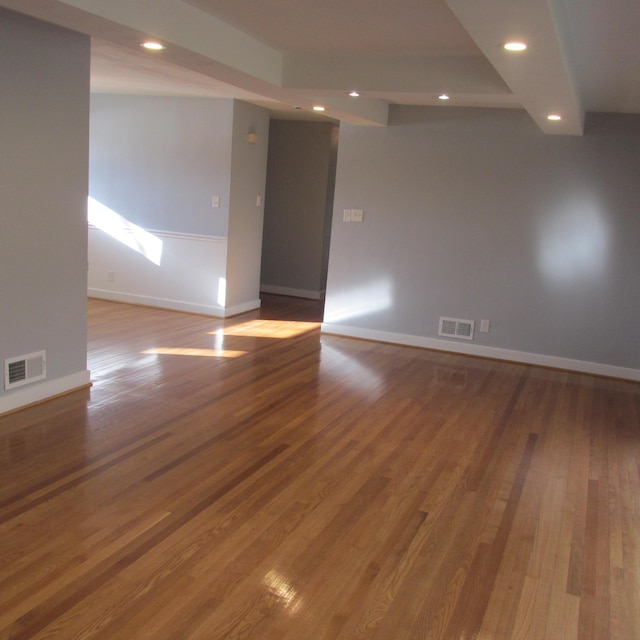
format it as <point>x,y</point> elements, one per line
<point>250,478</point>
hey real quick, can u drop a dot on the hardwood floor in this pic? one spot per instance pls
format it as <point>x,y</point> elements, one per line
<point>252,479</point>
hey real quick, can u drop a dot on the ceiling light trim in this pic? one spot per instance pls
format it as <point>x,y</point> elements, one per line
<point>515,46</point>
<point>153,45</point>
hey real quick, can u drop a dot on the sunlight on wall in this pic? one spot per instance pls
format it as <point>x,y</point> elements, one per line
<point>123,231</point>
<point>219,339</point>
<point>355,303</point>
<point>222,291</point>
<point>573,243</point>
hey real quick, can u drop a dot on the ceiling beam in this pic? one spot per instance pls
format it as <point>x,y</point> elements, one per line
<point>541,78</point>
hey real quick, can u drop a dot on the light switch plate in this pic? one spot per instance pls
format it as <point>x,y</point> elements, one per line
<point>357,215</point>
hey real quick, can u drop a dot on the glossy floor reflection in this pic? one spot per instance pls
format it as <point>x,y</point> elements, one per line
<point>316,487</point>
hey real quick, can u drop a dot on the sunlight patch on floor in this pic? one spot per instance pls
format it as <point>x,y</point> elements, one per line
<point>207,353</point>
<point>269,329</point>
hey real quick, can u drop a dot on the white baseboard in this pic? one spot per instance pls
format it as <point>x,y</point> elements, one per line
<point>496,353</point>
<point>174,305</point>
<point>190,276</point>
<point>242,308</point>
<point>295,293</point>
<point>43,391</point>
<point>161,303</point>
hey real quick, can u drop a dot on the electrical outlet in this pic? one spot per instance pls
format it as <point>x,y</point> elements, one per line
<point>346,215</point>
<point>215,202</point>
<point>357,215</point>
<point>111,276</point>
<point>485,325</point>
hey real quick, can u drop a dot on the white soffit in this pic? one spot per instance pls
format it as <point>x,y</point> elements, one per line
<point>297,53</point>
<point>541,78</point>
<point>198,41</point>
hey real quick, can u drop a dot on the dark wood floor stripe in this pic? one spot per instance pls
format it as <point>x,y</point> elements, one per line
<point>316,487</point>
<point>79,479</point>
<point>41,617</point>
<point>466,618</point>
<point>167,423</point>
<point>236,428</point>
<point>483,461</point>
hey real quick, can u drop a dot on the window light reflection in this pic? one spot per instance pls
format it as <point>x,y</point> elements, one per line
<point>281,588</point>
<point>335,362</point>
<point>574,243</point>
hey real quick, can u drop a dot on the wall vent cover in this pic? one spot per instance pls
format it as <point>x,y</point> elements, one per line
<point>25,369</point>
<point>455,328</point>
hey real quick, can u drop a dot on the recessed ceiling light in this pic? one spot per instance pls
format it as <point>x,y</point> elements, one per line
<point>354,94</point>
<point>443,96</point>
<point>514,46</point>
<point>318,107</point>
<point>554,116</point>
<point>152,46</point>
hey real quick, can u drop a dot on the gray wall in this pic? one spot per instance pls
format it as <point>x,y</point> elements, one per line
<point>246,217</point>
<point>299,198</point>
<point>158,161</point>
<point>475,214</point>
<point>44,140</point>
<point>328,217</point>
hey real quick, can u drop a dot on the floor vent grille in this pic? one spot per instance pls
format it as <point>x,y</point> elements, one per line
<point>455,328</point>
<point>25,369</point>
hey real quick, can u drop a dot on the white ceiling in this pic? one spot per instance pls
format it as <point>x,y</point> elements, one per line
<point>583,55</point>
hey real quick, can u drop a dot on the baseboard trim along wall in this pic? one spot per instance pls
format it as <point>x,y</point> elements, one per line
<point>174,305</point>
<point>289,291</point>
<point>495,353</point>
<point>251,305</point>
<point>160,303</point>
<point>186,272</point>
<point>43,391</point>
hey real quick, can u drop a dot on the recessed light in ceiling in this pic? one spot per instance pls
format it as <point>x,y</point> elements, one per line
<point>443,96</point>
<point>514,46</point>
<point>318,107</point>
<point>354,94</point>
<point>152,45</point>
<point>554,116</point>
